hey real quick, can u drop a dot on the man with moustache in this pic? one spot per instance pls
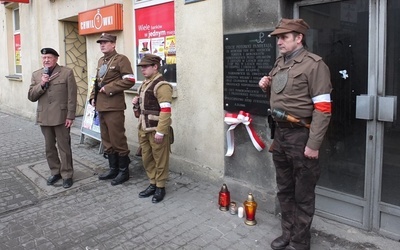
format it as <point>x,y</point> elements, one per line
<point>54,88</point>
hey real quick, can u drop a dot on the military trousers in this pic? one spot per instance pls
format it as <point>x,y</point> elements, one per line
<point>112,129</point>
<point>59,135</point>
<point>296,178</point>
<point>155,157</point>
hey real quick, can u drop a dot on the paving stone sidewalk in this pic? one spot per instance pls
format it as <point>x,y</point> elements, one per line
<point>95,215</point>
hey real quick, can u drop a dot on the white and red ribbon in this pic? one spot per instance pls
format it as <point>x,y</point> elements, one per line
<point>235,119</point>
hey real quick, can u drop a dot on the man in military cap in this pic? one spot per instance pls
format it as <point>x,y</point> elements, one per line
<point>154,101</point>
<point>54,87</point>
<point>299,84</point>
<point>114,75</point>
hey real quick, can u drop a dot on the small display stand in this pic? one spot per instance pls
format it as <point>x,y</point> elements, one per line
<point>91,125</point>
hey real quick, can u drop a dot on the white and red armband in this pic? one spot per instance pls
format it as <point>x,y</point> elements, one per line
<point>323,103</point>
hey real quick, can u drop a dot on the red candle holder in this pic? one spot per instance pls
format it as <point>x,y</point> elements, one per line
<point>224,198</point>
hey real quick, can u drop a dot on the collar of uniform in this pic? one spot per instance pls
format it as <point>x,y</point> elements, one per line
<point>55,69</point>
<point>293,54</point>
<point>296,59</point>
<point>108,56</point>
<point>155,76</point>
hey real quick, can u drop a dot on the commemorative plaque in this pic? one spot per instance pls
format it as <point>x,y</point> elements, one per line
<point>247,58</point>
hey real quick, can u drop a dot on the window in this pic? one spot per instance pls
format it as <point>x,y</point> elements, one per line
<point>17,42</point>
<point>155,33</point>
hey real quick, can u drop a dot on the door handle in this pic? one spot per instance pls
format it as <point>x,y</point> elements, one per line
<point>387,108</point>
<point>365,107</point>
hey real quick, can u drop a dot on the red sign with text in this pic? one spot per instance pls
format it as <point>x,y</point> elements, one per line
<point>107,18</point>
<point>17,49</point>
<point>15,1</point>
<point>155,31</point>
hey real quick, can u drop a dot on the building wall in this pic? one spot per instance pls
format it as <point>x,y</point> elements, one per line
<point>198,112</point>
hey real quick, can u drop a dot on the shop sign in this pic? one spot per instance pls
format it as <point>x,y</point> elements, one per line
<point>14,1</point>
<point>104,19</point>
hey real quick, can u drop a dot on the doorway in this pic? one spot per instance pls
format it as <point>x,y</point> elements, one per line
<point>360,158</point>
<point>75,50</point>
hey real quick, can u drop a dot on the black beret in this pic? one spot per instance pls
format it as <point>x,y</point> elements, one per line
<point>149,59</point>
<point>105,37</point>
<point>45,51</point>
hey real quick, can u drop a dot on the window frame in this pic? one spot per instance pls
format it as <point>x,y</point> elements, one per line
<point>16,32</point>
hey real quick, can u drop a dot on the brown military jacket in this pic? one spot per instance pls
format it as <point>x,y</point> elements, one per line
<point>58,102</point>
<point>113,99</point>
<point>307,77</point>
<point>154,90</point>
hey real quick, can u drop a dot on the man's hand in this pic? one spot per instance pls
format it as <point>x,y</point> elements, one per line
<point>265,82</point>
<point>158,138</point>
<point>68,123</point>
<point>45,79</point>
<point>311,153</point>
<point>135,100</point>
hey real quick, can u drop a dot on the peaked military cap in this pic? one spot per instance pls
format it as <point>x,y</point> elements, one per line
<point>105,37</point>
<point>290,25</point>
<point>45,51</point>
<point>149,59</point>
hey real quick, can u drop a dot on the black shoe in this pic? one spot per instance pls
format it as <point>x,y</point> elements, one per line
<point>110,174</point>
<point>53,179</point>
<point>294,246</point>
<point>67,183</point>
<point>149,191</point>
<point>121,178</point>
<point>158,195</point>
<point>280,243</point>
<point>113,164</point>
<point>123,174</point>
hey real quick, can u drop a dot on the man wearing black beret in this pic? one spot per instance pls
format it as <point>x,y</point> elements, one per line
<point>54,88</point>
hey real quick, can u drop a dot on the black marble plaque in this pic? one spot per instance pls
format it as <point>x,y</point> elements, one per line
<point>247,58</point>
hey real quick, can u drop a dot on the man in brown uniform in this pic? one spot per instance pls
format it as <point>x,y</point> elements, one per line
<point>114,75</point>
<point>155,97</point>
<point>299,85</point>
<point>54,87</point>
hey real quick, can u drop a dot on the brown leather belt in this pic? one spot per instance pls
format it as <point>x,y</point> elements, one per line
<point>286,124</point>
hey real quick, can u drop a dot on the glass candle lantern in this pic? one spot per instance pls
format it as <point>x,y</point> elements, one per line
<point>250,207</point>
<point>224,198</point>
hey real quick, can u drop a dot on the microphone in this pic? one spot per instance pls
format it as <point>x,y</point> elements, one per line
<point>47,72</point>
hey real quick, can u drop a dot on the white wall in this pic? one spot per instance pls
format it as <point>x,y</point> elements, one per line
<point>198,111</point>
